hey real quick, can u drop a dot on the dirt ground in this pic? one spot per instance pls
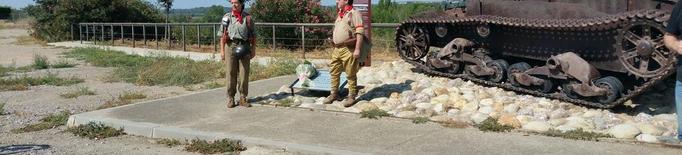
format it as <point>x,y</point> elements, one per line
<point>29,106</point>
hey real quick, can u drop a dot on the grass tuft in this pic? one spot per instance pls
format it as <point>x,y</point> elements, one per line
<point>123,99</point>
<point>94,130</point>
<point>219,146</point>
<point>63,63</point>
<point>579,134</point>
<point>374,114</point>
<point>420,120</point>
<point>80,91</point>
<point>287,102</point>
<point>40,62</point>
<point>22,83</point>
<point>169,142</point>
<point>491,124</point>
<point>279,67</point>
<point>48,122</point>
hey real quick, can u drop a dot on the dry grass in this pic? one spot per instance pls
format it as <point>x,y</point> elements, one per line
<point>374,114</point>
<point>123,99</point>
<point>22,83</point>
<point>576,134</point>
<point>21,24</point>
<point>169,142</point>
<point>80,91</point>
<point>29,40</point>
<point>48,122</point>
<point>491,124</point>
<point>219,146</point>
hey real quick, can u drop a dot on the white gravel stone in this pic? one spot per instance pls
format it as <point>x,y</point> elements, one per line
<point>537,126</point>
<point>647,138</point>
<point>511,108</point>
<point>624,131</point>
<point>424,105</point>
<point>479,117</point>
<point>379,100</point>
<point>485,109</point>
<point>407,114</point>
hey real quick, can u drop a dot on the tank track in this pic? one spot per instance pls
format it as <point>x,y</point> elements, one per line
<point>610,22</point>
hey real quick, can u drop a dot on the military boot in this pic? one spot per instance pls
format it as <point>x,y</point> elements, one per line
<point>330,99</point>
<point>244,102</point>
<point>230,102</point>
<point>350,101</point>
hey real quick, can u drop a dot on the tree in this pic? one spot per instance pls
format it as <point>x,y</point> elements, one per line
<point>214,14</point>
<point>292,11</point>
<point>166,4</point>
<point>5,12</point>
<point>54,19</point>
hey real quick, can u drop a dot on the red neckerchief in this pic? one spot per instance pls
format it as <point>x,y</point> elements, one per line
<point>345,9</point>
<point>238,15</point>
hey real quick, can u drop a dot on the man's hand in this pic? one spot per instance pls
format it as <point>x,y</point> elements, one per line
<point>356,54</point>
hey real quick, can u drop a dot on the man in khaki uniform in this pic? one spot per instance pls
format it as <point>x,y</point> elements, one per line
<point>347,38</point>
<point>237,31</point>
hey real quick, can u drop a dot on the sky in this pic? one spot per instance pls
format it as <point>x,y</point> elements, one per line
<point>178,4</point>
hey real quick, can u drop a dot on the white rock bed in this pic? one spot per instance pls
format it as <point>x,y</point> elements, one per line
<point>394,88</point>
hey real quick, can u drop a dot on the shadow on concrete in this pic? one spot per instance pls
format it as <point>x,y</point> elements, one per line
<point>14,149</point>
<point>386,90</point>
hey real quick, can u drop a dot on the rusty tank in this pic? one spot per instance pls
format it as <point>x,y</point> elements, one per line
<point>598,53</point>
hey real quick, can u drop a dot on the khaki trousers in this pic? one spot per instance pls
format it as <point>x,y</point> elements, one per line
<point>343,61</point>
<point>237,68</point>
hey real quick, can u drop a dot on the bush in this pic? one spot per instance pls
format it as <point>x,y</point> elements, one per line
<point>40,62</point>
<point>94,130</point>
<point>55,18</point>
<point>219,146</point>
<point>374,114</point>
<point>297,11</point>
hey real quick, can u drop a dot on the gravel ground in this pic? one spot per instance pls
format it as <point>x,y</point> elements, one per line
<point>28,107</point>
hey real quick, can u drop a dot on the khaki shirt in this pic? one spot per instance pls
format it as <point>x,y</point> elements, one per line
<point>347,27</point>
<point>235,30</point>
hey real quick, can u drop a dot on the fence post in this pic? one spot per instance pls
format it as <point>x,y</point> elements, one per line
<point>184,47</point>
<point>87,35</point>
<point>168,35</point>
<point>94,34</point>
<point>199,37</point>
<point>80,33</point>
<point>274,43</point>
<point>144,34</point>
<point>102,34</point>
<point>112,34</point>
<point>215,44</point>
<point>156,35</point>
<point>71,33</point>
<point>303,39</point>
<point>123,40</point>
<point>132,28</point>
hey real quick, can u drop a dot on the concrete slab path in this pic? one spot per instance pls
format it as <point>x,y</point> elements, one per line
<point>204,115</point>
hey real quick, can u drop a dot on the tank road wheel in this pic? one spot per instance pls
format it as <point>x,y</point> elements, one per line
<point>455,67</point>
<point>546,87</point>
<point>500,66</point>
<point>614,87</point>
<point>516,68</point>
<point>568,91</point>
<point>641,49</point>
<point>412,42</point>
